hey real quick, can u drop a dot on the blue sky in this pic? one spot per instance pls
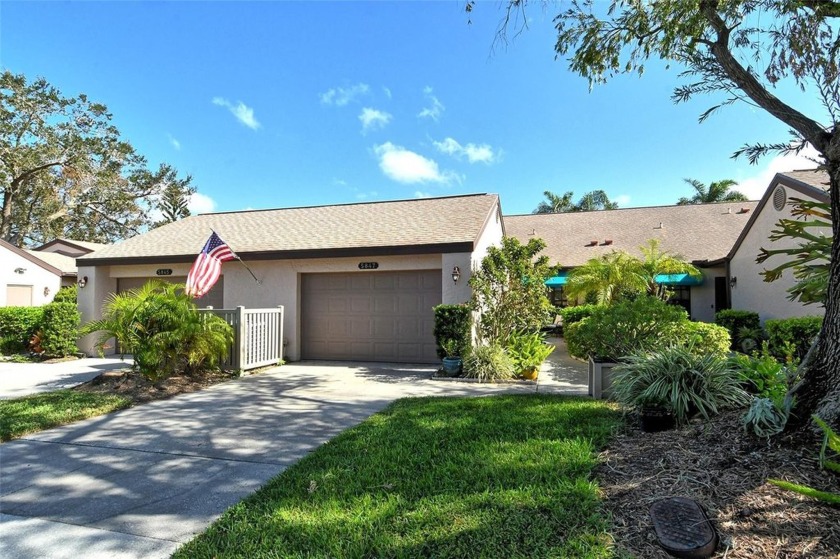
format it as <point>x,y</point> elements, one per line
<point>278,104</point>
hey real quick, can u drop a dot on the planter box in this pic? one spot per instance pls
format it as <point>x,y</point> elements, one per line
<point>599,378</point>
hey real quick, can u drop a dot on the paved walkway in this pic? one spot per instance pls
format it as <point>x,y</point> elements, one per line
<point>139,482</point>
<point>23,379</point>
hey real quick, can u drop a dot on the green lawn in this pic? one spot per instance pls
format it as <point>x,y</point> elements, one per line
<point>496,477</point>
<point>22,416</point>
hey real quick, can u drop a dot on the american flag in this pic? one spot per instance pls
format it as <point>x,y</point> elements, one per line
<point>205,272</point>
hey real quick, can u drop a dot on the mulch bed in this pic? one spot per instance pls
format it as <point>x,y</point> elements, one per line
<point>139,389</point>
<point>726,470</point>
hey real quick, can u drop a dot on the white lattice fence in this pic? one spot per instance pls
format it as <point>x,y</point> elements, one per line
<point>258,336</point>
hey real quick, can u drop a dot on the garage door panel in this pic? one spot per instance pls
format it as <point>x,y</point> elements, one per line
<point>386,316</point>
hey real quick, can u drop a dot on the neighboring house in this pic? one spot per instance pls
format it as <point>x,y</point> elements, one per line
<point>29,278</point>
<point>702,234</point>
<point>358,281</point>
<point>750,291</point>
<point>70,247</point>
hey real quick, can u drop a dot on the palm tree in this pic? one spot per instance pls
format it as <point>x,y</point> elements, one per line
<point>657,262</point>
<point>591,201</point>
<point>718,191</point>
<point>608,277</point>
<point>555,204</point>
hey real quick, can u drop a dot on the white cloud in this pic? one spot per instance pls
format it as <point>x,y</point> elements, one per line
<point>240,110</point>
<point>373,119</point>
<point>421,194</point>
<point>405,166</point>
<point>387,92</point>
<point>754,185</point>
<point>473,152</point>
<point>341,96</point>
<point>435,110</point>
<point>366,195</point>
<point>201,204</point>
<point>175,143</point>
<point>622,200</point>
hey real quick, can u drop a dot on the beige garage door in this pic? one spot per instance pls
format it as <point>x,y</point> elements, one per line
<point>370,316</point>
<point>215,298</point>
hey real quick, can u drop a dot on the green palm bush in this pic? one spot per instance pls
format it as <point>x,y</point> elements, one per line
<point>164,331</point>
<point>678,378</point>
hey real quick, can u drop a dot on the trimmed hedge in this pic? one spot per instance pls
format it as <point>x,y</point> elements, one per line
<point>452,322</point>
<point>792,335</point>
<point>60,329</point>
<point>734,320</point>
<point>577,313</point>
<point>702,337</point>
<point>66,295</point>
<point>17,324</point>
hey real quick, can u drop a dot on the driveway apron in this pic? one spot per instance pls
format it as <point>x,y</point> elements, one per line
<point>139,482</point>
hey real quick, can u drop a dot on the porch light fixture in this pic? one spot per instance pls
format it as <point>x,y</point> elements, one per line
<point>20,270</point>
<point>456,274</point>
<point>82,282</point>
<point>46,291</point>
<point>732,281</point>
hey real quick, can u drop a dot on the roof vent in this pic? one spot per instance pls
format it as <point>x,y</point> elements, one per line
<point>661,226</point>
<point>744,211</point>
<point>729,210</point>
<point>607,242</point>
<point>533,232</point>
<point>592,243</point>
<point>779,198</point>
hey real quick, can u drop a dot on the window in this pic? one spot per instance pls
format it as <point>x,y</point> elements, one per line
<point>680,295</point>
<point>557,297</point>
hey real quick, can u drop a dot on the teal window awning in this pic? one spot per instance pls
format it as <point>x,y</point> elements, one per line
<point>678,279</point>
<point>557,281</point>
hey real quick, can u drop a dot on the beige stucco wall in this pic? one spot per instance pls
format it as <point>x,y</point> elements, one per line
<point>34,276</point>
<point>751,292</point>
<point>703,296</point>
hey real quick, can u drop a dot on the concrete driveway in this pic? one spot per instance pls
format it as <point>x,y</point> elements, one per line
<point>23,379</point>
<point>139,482</point>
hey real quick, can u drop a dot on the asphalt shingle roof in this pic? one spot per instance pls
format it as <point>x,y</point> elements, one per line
<point>456,219</point>
<point>704,232</point>
<point>66,264</point>
<point>817,179</point>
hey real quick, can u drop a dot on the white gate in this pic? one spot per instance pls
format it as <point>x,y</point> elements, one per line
<point>258,336</point>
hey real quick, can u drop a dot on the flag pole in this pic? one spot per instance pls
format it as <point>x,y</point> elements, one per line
<point>259,282</point>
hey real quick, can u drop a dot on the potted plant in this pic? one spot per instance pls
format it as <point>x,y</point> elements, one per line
<point>656,414</point>
<point>452,362</point>
<point>528,351</point>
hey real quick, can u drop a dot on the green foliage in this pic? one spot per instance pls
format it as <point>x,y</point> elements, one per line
<point>810,256</point>
<point>66,171</point>
<point>591,201</point>
<point>718,191</point>
<point>831,441</point>
<point>452,329</point>
<point>509,291</point>
<point>688,383</point>
<point>736,321</point>
<point>60,329</point>
<point>643,324</point>
<point>701,337</point>
<point>577,313</point>
<point>488,363</point>
<point>764,375</point>
<point>17,324</point>
<point>528,350</point>
<point>161,327</point>
<point>767,417</point>
<point>66,294</point>
<point>790,338</point>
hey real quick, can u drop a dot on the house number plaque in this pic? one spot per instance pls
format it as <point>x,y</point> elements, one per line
<point>368,265</point>
<point>164,272</point>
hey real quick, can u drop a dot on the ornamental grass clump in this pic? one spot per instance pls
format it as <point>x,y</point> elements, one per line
<point>489,363</point>
<point>687,383</point>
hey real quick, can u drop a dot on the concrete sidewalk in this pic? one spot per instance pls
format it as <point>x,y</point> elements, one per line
<point>24,379</point>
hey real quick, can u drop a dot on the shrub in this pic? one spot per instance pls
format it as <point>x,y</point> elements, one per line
<point>571,315</point>
<point>790,338</point>
<point>701,337</point>
<point>528,350</point>
<point>767,416</point>
<point>17,324</point>
<point>60,329</point>
<point>735,321</point>
<point>452,329</point>
<point>66,294</point>
<point>624,328</point>
<point>764,376</point>
<point>687,383</point>
<point>488,363</point>
<point>162,328</point>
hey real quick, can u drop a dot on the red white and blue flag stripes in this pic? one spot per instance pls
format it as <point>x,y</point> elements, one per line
<point>208,266</point>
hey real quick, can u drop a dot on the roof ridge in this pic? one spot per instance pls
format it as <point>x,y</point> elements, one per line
<point>635,208</point>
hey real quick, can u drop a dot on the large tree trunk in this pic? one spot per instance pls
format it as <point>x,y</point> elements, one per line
<point>819,392</point>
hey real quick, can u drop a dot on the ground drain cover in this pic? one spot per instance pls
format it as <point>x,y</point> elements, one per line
<point>683,529</point>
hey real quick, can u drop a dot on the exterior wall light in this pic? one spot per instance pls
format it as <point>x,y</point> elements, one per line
<point>46,292</point>
<point>82,282</point>
<point>732,281</point>
<point>20,270</point>
<point>456,274</point>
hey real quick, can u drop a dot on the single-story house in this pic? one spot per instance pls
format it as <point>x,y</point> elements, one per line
<point>357,281</point>
<point>749,290</point>
<point>32,277</point>
<point>702,234</point>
